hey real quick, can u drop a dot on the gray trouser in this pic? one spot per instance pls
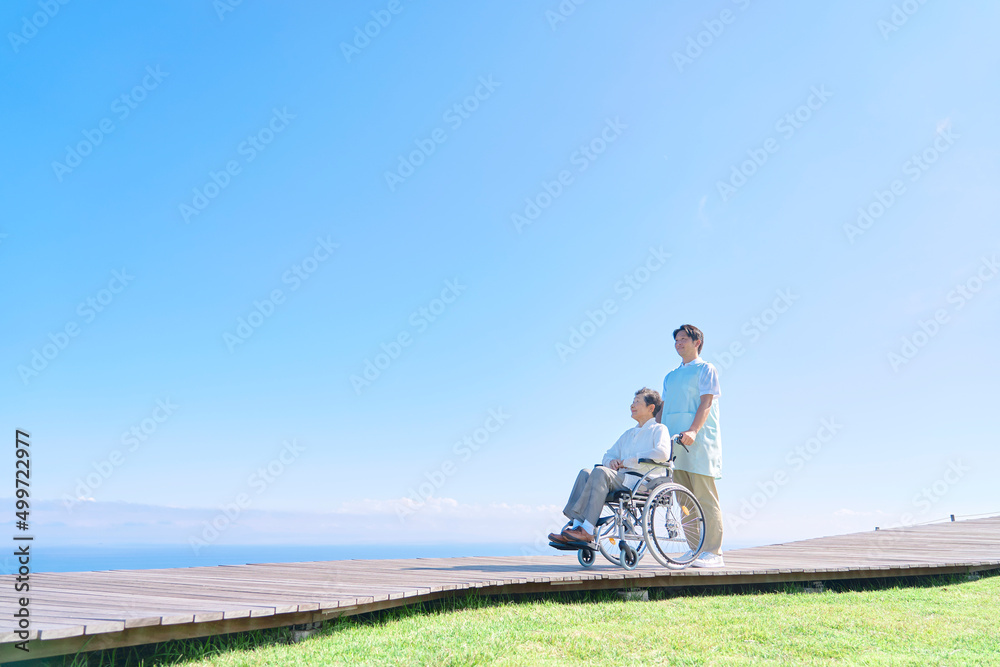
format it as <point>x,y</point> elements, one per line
<point>591,490</point>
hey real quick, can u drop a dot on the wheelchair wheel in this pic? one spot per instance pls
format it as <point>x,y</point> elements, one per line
<point>586,557</point>
<point>673,525</point>
<point>608,542</point>
<point>629,557</point>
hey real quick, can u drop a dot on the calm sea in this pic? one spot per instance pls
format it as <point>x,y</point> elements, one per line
<point>144,557</point>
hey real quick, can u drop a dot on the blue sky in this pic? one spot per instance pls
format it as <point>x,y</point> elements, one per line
<point>258,120</point>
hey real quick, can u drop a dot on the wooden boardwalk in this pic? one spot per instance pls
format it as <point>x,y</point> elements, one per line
<point>84,611</point>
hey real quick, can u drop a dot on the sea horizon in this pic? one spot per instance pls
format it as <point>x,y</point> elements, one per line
<point>103,557</point>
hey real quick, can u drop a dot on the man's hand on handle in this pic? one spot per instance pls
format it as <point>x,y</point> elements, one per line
<point>687,437</point>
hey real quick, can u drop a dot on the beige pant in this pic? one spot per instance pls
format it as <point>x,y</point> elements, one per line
<point>703,488</point>
<point>591,490</point>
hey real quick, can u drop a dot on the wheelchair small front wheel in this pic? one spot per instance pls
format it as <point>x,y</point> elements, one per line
<point>629,557</point>
<point>608,540</point>
<point>586,557</point>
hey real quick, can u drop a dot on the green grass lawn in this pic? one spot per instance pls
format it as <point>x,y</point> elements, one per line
<point>939,622</point>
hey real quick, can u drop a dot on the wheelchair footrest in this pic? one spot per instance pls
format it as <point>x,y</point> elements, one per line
<point>572,546</point>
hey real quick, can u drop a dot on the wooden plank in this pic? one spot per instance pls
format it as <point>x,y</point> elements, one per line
<point>169,605</point>
<point>234,604</point>
<point>131,605</point>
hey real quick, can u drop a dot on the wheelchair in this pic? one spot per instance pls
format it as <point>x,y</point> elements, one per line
<point>656,515</point>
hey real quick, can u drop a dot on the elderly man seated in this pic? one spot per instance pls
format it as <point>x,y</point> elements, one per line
<point>648,440</point>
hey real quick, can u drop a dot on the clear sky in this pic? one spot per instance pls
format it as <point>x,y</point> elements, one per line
<point>219,217</point>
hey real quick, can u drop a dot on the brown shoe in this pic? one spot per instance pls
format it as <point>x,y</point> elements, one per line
<point>578,535</point>
<point>557,537</point>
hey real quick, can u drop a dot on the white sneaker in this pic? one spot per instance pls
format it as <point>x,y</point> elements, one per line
<point>707,559</point>
<point>686,556</point>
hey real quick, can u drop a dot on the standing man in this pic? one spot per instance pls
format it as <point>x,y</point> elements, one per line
<point>691,408</point>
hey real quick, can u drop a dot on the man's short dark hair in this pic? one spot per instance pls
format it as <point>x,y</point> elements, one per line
<point>652,397</point>
<point>694,333</point>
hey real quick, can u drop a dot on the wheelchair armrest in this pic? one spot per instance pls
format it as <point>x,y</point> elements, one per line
<point>658,464</point>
